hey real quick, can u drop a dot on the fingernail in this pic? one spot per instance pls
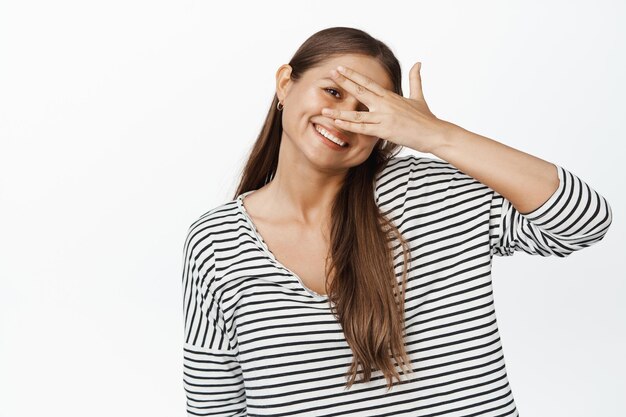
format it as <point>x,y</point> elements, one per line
<point>326,111</point>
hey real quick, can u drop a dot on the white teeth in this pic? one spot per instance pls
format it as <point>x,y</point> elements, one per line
<point>329,135</point>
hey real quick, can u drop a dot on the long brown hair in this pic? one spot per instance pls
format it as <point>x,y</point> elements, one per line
<point>367,301</point>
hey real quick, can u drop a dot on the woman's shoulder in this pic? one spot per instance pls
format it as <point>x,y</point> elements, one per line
<point>417,178</point>
<point>404,164</point>
<point>215,219</point>
<point>410,167</point>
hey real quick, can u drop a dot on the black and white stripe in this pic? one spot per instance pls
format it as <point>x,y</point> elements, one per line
<point>258,343</point>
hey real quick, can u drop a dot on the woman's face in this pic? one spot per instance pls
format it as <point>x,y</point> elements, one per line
<point>302,113</point>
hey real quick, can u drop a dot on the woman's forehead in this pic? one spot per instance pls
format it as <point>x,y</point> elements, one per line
<point>365,65</point>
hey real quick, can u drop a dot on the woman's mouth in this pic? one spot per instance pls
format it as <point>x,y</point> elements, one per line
<point>329,138</point>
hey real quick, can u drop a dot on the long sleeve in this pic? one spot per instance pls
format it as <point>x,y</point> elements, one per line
<point>212,375</point>
<point>574,217</point>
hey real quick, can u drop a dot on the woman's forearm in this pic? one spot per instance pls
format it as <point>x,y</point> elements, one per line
<point>523,179</point>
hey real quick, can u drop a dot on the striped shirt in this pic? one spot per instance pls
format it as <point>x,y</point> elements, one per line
<point>257,342</point>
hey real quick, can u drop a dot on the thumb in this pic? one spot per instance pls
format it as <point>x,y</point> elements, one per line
<point>415,82</point>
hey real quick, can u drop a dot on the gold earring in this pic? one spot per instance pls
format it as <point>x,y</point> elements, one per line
<point>280,106</point>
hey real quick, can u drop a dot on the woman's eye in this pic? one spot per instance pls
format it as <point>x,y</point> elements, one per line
<point>332,89</point>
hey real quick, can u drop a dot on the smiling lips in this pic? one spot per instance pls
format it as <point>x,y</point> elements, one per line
<point>332,132</point>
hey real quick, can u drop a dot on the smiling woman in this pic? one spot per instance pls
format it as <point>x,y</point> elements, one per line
<point>304,94</point>
<point>345,280</point>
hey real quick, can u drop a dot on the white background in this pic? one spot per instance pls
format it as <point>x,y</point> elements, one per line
<point>121,122</point>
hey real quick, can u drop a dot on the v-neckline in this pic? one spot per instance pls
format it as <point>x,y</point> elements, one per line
<point>263,245</point>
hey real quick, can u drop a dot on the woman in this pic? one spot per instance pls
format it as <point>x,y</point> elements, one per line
<point>344,280</point>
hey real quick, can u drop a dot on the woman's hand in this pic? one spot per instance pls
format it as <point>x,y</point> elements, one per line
<point>405,121</point>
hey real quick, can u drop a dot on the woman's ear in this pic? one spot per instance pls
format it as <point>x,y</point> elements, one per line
<point>283,81</point>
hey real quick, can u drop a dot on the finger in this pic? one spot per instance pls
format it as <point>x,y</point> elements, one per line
<point>371,129</point>
<point>360,79</point>
<point>415,82</point>
<point>351,116</point>
<point>362,94</point>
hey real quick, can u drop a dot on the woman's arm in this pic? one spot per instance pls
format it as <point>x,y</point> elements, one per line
<point>523,179</point>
